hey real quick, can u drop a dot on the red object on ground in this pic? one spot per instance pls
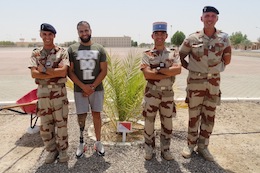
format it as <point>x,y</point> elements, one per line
<point>29,97</point>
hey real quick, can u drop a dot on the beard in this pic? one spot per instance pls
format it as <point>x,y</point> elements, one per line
<point>85,40</point>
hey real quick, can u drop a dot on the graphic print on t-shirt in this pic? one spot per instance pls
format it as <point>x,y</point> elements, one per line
<point>87,62</point>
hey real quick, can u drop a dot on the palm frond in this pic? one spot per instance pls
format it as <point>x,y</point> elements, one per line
<point>124,86</point>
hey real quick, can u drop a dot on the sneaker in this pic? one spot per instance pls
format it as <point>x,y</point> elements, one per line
<point>63,157</point>
<point>187,151</point>
<point>167,155</point>
<point>205,154</point>
<point>51,157</point>
<point>148,152</point>
<point>98,146</point>
<point>81,150</point>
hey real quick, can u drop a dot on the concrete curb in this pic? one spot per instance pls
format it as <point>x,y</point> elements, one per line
<point>91,135</point>
<point>228,99</point>
<point>6,103</point>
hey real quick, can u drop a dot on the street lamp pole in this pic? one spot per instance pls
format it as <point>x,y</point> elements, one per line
<point>258,39</point>
<point>171,35</point>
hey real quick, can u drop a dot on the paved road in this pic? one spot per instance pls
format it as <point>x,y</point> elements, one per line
<point>241,79</point>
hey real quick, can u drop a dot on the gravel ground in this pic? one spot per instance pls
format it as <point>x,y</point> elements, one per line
<point>234,139</point>
<point>125,158</point>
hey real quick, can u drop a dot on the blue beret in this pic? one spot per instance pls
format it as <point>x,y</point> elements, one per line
<point>210,9</point>
<point>159,26</point>
<point>48,27</point>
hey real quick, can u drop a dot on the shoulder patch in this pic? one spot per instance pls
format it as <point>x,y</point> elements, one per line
<point>222,34</point>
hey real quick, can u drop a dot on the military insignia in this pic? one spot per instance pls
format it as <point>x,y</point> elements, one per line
<point>162,64</point>
<point>48,64</point>
<point>204,9</point>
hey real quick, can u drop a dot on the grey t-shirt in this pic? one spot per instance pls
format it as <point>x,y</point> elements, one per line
<point>86,60</point>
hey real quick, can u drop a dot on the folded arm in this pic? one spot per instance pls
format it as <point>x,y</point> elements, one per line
<point>38,72</point>
<point>184,63</point>
<point>174,70</point>
<point>162,73</point>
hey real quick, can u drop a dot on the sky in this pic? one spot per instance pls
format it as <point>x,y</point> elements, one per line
<point>118,18</point>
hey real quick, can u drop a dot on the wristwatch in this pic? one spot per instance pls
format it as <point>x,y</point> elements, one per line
<point>44,70</point>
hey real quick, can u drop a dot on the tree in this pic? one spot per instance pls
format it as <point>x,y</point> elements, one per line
<point>237,38</point>
<point>145,45</point>
<point>177,38</point>
<point>6,43</point>
<point>134,43</point>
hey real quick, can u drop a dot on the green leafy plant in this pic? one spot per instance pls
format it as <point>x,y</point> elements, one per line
<point>177,38</point>
<point>69,84</point>
<point>124,87</point>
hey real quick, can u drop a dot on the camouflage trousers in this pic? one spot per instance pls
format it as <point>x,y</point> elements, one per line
<point>166,108</point>
<point>203,96</point>
<point>52,109</point>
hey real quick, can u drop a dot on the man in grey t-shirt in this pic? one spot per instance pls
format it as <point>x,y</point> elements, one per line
<point>88,67</point>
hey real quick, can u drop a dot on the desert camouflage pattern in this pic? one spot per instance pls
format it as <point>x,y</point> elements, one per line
<point>153,59</point>
<point>205,54</point>
<point>203,95</point>
<point>203,82</point>
<point>57,57</point>
<point>166,108</point>
<point>53,111</point>
<point>159,96</point>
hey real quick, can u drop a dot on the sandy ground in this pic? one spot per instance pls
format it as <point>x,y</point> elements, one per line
<point>234,144</point>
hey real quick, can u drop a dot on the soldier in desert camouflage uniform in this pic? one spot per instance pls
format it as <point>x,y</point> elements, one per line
<point>159,66</point>
<point>209,52</point>
<point>49,66</point>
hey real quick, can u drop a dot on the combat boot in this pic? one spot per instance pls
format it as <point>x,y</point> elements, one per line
<point>51,157</point>
<point>187,151</point>
<point>205,154</point>
<point>63,156</point>
<point>167,155</point>
<point>148,152</point>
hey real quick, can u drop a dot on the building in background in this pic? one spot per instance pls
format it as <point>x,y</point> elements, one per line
<point>124,41</point>
<point>113,41</point>
<point>255,46</point>
<point>32,43</point>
